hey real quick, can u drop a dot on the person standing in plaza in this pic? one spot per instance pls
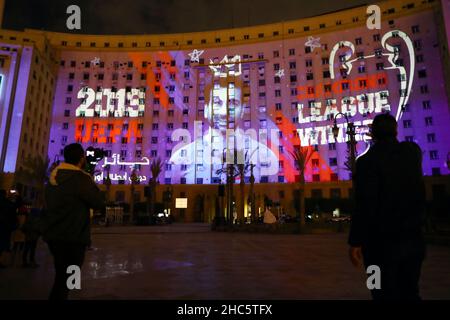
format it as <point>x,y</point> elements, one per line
<point>18,236</point>
<point>386,229</point>
<point>8,223</point>
<point>31,229</point>
<point>69,196</point>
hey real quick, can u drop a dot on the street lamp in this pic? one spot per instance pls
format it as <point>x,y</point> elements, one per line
<point>134,180</point>
<point>107,182</point>
<point>351,132</point>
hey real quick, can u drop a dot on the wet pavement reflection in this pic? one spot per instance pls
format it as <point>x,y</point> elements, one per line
<point>191,262</point>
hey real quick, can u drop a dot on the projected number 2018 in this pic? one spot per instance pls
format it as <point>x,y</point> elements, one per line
<point>119,103</point>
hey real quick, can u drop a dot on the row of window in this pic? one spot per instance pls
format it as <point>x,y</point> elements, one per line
<point>415,29</point>
<point>408,123</point>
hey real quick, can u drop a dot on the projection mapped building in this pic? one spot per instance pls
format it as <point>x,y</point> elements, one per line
<point>198,101</point>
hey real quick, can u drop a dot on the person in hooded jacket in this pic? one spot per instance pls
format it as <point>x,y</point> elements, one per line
<point>69,196</point>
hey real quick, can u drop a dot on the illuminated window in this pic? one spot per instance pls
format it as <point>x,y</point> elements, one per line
<point>276,54</point>
<point>417,44</point>
<point>434,155</point>
<point>333,162</point>
<point>424,89</point>
<point>308,63</point>
<point>332,146</point>
<point>399,62</point>
<point>315,163</point>
<point>358,41</point>
<point>264,179</point>
<point>431,137</point>
<point>428,121</point>
<point>291,52</point>
<point>335,193</point>
<point>426,105</point>
<point>436,171</point>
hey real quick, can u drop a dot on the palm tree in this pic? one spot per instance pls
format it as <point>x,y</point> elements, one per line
<point>237,170</point>
<point>302,155</point>
<point>34,172</point>
<point>155,169</point>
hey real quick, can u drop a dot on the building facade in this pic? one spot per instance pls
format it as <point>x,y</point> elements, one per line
<point>27,84</point>
<point>198,101</point>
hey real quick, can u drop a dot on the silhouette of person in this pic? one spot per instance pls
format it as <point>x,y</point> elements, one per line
<point>386,227</point>
<point>69,196</point>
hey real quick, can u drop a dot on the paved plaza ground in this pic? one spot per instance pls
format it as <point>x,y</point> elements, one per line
<point>188,261</point>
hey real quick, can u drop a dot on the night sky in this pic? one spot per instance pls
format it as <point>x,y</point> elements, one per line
<point>162,16</point>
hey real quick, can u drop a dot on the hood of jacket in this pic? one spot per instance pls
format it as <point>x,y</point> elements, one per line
<point>64,172</point>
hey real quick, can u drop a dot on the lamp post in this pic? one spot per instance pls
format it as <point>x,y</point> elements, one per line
<point>351,132</point>
<point>229,183</point>
<point>107,183</point>
<point>252,194</point>
<point>134,180</point>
